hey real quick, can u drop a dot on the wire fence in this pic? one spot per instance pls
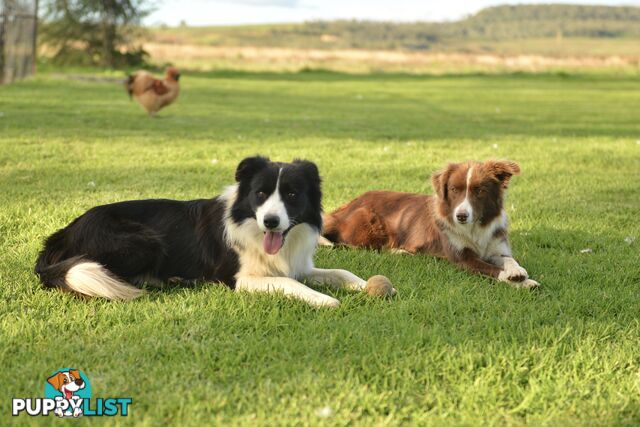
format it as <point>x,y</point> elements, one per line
<point>18,28</point>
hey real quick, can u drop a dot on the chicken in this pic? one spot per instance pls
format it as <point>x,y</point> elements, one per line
<point>154,94</point>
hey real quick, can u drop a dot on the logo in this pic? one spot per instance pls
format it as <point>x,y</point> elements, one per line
<point>67,393</point>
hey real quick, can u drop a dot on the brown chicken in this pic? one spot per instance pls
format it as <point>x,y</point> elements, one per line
<point>154,94</point>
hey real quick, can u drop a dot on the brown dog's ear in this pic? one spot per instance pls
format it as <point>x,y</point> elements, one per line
<point>56,380</point>
<point>436,178</point>
<point>440,180</point>
<point>503,170</point>
<point>75,373</point>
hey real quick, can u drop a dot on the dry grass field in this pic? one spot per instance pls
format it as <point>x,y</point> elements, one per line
<point>257,58</point>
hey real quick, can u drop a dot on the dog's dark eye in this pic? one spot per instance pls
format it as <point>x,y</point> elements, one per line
<point>261,195</point>
<point>479,191</point>
<point>292,194</point>
<point>65,380</point>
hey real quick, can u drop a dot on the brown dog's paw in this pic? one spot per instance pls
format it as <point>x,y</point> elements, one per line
<point>513,273</point>
<point>530,284</point>
<point>517,278</point>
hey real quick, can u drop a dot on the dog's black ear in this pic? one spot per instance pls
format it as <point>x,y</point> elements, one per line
<point>249,166</point>
<point>309,169</point>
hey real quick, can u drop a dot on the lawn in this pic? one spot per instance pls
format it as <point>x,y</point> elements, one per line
<point>449,349</point>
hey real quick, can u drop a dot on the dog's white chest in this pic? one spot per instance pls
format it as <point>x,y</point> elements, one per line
<point>294,260</point>
<point>480,239</point>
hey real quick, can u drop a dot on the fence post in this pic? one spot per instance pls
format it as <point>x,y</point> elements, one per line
<point>2,25</point>
<point>35,37</point>
<point>18,41</point>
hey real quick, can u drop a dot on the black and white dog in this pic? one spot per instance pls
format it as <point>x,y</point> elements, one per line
<point>260,235</point>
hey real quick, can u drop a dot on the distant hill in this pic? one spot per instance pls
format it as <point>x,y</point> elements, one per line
<point>531,21</point>
<point>494,24</point>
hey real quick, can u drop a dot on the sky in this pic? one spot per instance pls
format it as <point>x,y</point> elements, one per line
<point>234,12</point>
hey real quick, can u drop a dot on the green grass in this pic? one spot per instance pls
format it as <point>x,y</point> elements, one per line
<point>449,349</point>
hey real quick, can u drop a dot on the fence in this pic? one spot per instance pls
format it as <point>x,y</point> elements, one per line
<point>18,27</point>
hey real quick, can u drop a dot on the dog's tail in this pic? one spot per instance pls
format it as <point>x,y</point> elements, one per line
<point>330,233</point>
<point>85,277</point>
<point>322,239</point>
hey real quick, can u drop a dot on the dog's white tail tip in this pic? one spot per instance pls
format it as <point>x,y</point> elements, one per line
<point>92,279</point>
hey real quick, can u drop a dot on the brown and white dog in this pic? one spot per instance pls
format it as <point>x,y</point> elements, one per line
<point>67,383</point>
<point>464,222</point>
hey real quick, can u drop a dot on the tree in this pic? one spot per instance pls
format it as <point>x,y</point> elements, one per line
<point>100,32</point>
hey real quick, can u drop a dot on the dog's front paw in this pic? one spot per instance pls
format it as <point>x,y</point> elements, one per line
<point>59,412</point>
<point>77,412</point>
<point>513,273</point>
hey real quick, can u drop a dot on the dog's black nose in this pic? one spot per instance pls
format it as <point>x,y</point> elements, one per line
<point>271,221</point>
<point>79,381</point>
<point>462,217</point>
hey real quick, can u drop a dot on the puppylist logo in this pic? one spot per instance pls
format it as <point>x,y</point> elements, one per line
<point>67,393</point>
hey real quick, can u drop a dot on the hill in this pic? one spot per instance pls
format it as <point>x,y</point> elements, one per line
<point>494,24</point>
<point>550,20</point>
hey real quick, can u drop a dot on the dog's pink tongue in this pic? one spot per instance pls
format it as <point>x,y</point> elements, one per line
<point>272,242</point>
<point>68,394</point>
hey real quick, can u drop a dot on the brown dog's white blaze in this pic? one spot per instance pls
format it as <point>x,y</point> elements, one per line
<point>465,222</point>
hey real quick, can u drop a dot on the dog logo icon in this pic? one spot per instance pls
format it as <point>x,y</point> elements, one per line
<point>67,394</point>
<point>68,385</point>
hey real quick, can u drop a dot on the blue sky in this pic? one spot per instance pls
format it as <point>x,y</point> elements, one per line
<point>231,12</point>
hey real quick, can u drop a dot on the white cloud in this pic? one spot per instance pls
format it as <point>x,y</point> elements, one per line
<point>265,3</point>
